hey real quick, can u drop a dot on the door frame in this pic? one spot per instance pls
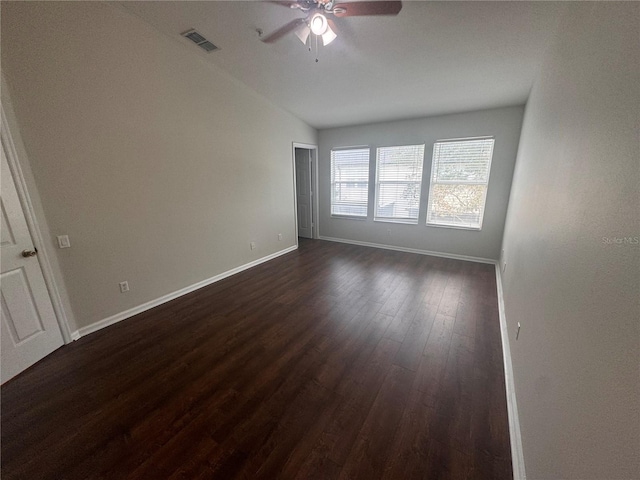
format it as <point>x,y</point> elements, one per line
<point>34,227</point>
<point>314,187</point>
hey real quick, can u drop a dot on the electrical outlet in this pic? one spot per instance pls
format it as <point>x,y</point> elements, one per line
<point>279,237</point>
<point>63,241</point>
<point>124,286</point>
<point>252,245</point>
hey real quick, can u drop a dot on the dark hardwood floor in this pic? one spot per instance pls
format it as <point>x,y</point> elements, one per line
<point>333,361</point>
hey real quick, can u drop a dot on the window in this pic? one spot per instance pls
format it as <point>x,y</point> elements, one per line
<point>350,182</point>
<point>459,179</point>
<point>398,181</point>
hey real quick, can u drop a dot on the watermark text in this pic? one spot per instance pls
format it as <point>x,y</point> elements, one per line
<point>621,240</point>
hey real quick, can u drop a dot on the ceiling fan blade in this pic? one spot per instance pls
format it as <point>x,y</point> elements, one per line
<point>282,31</point>
<point>286,4</point>
<point>353,9</point>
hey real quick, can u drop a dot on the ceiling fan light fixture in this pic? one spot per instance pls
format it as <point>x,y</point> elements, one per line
<point>302,32</point>
<point>318,24</point>
<point>328,36</point>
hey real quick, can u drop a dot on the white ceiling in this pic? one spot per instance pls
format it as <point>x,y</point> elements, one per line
<point>433,58</point>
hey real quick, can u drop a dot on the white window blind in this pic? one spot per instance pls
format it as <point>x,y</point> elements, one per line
<point>398,182</point>
<point>350,182</point>
<point>459,179</point>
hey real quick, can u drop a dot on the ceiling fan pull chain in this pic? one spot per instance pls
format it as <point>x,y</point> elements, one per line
<point>316,48</point>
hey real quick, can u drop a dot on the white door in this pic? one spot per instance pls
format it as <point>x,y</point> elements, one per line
<point>303,192</point>
<point>30,330</point>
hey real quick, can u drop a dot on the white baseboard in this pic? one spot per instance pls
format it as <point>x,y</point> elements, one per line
<point>411,250</point>
<point>517,455</point>
<point>94,327</point>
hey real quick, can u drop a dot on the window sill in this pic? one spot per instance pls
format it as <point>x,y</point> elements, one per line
<point>348,217</point>
<point>394,220</point>
<point>455,227</point>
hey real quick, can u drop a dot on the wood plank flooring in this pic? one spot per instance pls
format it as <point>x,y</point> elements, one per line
<point>331,362</point>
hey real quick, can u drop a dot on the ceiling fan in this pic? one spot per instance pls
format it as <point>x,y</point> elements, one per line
<point>319,13</point>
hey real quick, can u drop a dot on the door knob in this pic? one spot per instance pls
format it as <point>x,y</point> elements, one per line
<point>29,253</point>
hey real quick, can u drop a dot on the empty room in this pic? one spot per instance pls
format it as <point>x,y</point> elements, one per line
<point>320,239</point>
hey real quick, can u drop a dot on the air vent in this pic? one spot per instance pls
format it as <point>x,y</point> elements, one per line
<point>208,46</point>
<point>199,40</point>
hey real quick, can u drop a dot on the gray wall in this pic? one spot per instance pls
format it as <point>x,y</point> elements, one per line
<point>503,123</point>
<point>573,287</point>
<point>159,166</point>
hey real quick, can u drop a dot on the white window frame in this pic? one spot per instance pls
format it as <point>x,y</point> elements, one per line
<point>433,181</point>
<point>332,183</point>
<point>377,217</point>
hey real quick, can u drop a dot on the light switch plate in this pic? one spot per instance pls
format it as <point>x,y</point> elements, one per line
<point>63,241</point>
